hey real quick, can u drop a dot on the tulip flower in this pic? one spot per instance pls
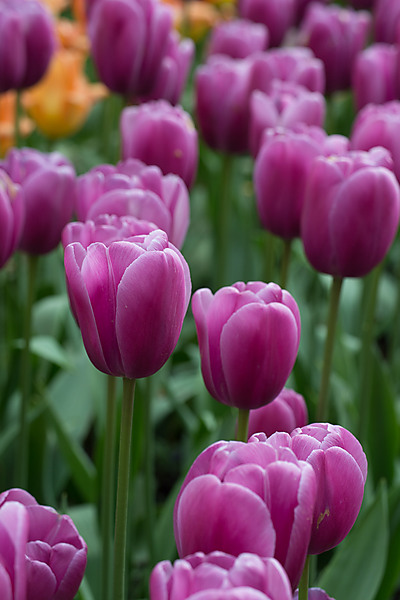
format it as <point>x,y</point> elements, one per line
<point>387,21</point>
<point>55,553</point>
<point>131,327</point>
<point>48,184</point>
<point>314,594</point>
<point>340,467</point>
<point>12,216</point>
<point>302,6</point>
<point>351,212</point>
<point>14,536</point>
<point>238,38</point>
<point>27,42</point>
<point>285,105</point>
<point>286,412</point>
<point>277,15</point>
<point>163,135</point>
<point>378,126</point>
<point>270,495</point>
<point>335,35</point>
<point>133,188</point>
<point>381,60</point>
<point>220,575</point>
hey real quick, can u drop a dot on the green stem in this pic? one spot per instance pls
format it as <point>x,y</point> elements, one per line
<point>223,221</point>
<point>112,107</point>
<point>121,513</point>
<point>149,472</point>
<point>303,585</point>
<point>322,407</point>
<point>269,253</point>
<point>107,492</point>
<point>23,445</point>
<point>287,247</point>
<point>243,425</point>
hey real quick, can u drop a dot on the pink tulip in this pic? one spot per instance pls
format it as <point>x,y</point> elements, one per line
<point>129,299</point>
<point>14,524</point>
<point>270,495</point>
<point>314,594</point>
<point>276,15</point>
<point>248,337</point>
<point>286,412</point>
<point>238,38</point>
<point>220,575</point>
<point>374,75</point>
<point>12,215</point>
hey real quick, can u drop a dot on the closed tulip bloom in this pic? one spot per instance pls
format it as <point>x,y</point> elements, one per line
<point>336,35</point>
<point>277,15</point>
<point>270,495</point>
<point>285,105</point>
<point>27,42</point>
<point>135,189</point>
<point>350,213</point>
<point>158,133</point>
<point>48,184</point>
<point>14,524</point>
<point>387,21</point>
<point>240,330</point>
<point>238,38</point>
<point>12,216</point>
<point>381,61</point>
<point>379,126</point>
<point>286,412</point>
<point>55,552</point>
<point>301,8</point>
<point>314,594</point>
<point>129,299</point>
<point>340,467</point>
<point>220,575</point>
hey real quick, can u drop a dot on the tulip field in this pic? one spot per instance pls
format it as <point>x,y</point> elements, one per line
<point>200,300</point>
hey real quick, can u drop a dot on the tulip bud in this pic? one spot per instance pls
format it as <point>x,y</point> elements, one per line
<point>351,212</point>
<point>238,38</point>
<point>381,60</point>
<point>12,216</point>
<point>129,299</point>
<point>247,576</point>
<point>276,15</point>
<point>163,135</point>
<point>286,412</point>
<point>14,524</point>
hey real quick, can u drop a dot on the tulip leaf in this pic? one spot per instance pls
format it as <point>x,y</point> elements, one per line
<point>86,520</point>
<point>50,349</point>
<point>392,572</point>
<point>357,568</point>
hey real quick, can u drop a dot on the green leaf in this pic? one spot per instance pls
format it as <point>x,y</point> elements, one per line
<point>392,572</point>
<point>50,349</point>
<point>358,565</point>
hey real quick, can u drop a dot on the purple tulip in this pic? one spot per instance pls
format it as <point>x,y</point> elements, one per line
<point>270,495</point>
<point>287,104</point>
<point>238,38</point>
<point>336,35</point>
<point>135,189</point>
<point>240,330</point>
<point>351,212</point>
<point>138,32</point>
<point>129,299</point>
<point>277,15</point>
<point>55,553</point>
<point>379,126</point>
<point>301,8</point>
<point>14,524</point>
<point>12,215</point>
<point>387,21</point>
<point>314,594</point>
<point>286,412</point>
<point>158,133</point>
<point>48,185</point>
<point>27,43</point>
<point>287,156</point>
<point>340,467</point>
<point>374,75</point>
<point>222,576</point>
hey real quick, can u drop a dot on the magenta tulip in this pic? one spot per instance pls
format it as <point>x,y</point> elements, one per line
<point>335,35</point>
<point>158,133</point>
<point>301,8</point>
<point>14,524</point>
<point>340,467</point>
<point>374,75</point>
<point>222,576</point>
<point>276,15</point>
<point>248,337</point>
<point>27,43</point>
<point>238,38</point>
<point>314,594</point>
<point>55,553</point>
<point>48,185</point>
<point>351,212</point>
<point>129,299</point>
<point>286,412</point>
<point>12,216</point>
<point>270,495</point>
<point>387,21</point>
<point>135,189</point>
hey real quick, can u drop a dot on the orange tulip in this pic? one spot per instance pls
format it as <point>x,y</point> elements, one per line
<point>7,122</point>
<point>55,6</point>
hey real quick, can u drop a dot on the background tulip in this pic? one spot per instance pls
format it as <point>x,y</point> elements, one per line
<point>314,594</point>
<point>130,322</point>
<point>381,60</point>
<point>286,412</point>
<point>240,330</point>
<point>12,216</point>
<point>386,21</point>
<point>216,573</point>
<point>163,135</point>
<point>14,523</point>
<point>238,38</point>
<point>277,15</point>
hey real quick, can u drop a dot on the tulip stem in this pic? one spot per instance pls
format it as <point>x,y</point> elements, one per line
<point>22,460</point>
<point>149,471</point>
<point>107,507</point>
<point>121,513</point>
<point>243,425</point>
<point>287,248</point>
<point>223,220</point>
<point>322,406</point>
<point>303,585</point>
